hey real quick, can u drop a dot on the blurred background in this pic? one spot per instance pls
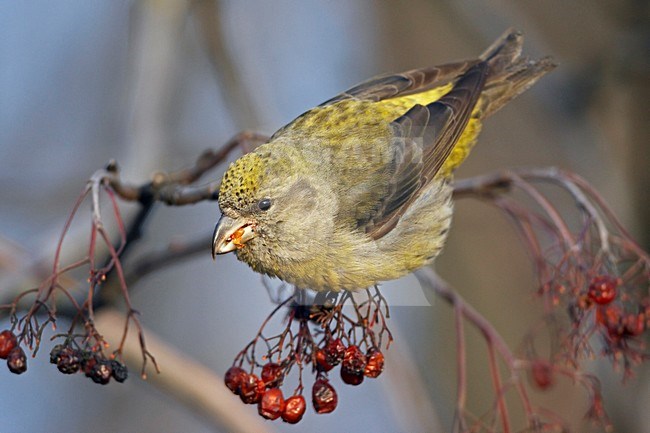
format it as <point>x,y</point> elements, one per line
<point>152,83</point>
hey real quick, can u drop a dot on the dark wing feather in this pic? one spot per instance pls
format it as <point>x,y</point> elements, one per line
<point>424,138</point>
<point>403,84</point>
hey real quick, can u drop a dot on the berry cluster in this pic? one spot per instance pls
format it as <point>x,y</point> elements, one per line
<point>325,337</point>
<point>597,298</point>
<point>35,311</point>
<point>615,308</point>
<point>608,302</point>
<point>92,363</point>
<point>600,278</point>
<point>265,392</point>
<point>355,365</point>
<point>616,319</point>
<point>593,281</point>
<point>12,352</point>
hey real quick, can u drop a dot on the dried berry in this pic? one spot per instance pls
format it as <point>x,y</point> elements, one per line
<point>351,378</point>
<point>119,371</point>
<point>88,363</point>
<point>17,361</point>
<point>542,374</point>
<point>602,289</point>
<point>271,404</point>
<point>334,351</point>
<point>353,366</point>
<point>321,361</point>
<point>233,379</point>
<point>69,361</point>
<point>55,353</point>
<point>272,375</point>
<point>323,397</point>
<point>375,364</point>
<point>251,389</point>
<point>101,372</point>
<point>8,342</point>
<point>294,409</point>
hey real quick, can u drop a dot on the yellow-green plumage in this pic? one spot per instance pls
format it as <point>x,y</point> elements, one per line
<point>359,185</point>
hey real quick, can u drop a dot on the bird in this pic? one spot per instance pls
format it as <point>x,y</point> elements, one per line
<point>358,190</point>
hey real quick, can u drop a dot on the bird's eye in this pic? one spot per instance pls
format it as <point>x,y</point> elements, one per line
<point>264,204</point>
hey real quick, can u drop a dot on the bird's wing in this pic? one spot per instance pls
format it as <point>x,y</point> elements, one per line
<point>406,83</point>
<point>423,139</point>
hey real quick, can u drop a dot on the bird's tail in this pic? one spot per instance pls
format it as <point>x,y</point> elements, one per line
<point>509,74</point>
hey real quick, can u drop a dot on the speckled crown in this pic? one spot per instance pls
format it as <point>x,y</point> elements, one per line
<point>241,181</point>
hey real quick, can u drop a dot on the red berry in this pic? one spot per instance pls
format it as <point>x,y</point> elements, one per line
<point>294,409</point>
<point>272,375</point>
<point>7,343</point>
<point>321,361</point>
<point>234,378</point>
<point>271,404</point>
<point>351,378</point>
<point>17,361</point>
<point>602,289</point>
<point>251,389</point>
<point>323,396</point>
<point>334,351</point>
<point>353,366</point>
<point>542,374</point>
<point>375,364</point>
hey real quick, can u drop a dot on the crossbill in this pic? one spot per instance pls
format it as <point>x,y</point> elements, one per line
<point>358,190</point>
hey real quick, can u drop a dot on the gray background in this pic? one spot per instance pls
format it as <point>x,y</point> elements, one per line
<point>82,82</point>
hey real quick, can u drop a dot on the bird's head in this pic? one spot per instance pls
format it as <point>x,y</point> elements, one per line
<point>268,205</point>
<point>243,204</point>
